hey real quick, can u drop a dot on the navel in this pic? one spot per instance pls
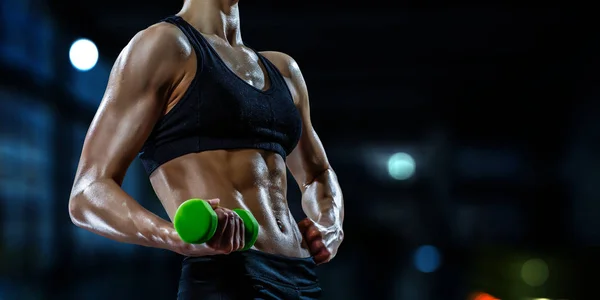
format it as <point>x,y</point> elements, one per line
<point>279,224</point>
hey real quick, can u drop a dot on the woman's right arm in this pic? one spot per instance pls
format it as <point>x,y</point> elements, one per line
<point>138,92</point>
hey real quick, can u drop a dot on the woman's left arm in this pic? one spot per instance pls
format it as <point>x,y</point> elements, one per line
<point>322,199</point>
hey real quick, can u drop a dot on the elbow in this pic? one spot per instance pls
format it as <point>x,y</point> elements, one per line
<point>79,200</point>
<point>79,203</point>
<point>87,186</point>
<point>76,208</point>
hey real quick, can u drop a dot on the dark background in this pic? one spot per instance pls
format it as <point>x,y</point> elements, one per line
<point>497,106</point>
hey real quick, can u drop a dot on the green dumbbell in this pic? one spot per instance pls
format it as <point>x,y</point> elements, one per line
<point>196,222</point>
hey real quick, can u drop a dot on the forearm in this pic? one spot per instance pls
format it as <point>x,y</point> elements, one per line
<point>104,208</point>
<point>322,200</point>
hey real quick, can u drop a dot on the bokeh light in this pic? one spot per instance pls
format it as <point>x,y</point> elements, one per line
<point>482,296</point>
<point>401,166</point>
<point>427,259</point>
<point>535,272</point>
<point>83,55</point>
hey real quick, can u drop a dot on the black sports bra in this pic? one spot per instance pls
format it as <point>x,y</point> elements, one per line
<point>221,111</point>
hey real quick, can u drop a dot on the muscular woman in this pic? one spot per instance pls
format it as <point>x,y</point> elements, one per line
<point>211,118</point>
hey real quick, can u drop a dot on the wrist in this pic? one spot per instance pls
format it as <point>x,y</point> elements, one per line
<point>328,219</point>
<point>171,241</point>
<point>166,237</point>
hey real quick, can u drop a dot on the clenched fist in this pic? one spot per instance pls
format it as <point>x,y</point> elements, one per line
<point>229,237</point>
<point>322,242</point>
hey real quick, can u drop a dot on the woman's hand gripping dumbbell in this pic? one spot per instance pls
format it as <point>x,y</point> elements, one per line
<point>202,224</point>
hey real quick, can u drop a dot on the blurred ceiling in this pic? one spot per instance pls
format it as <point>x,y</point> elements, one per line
<point>461,66</point>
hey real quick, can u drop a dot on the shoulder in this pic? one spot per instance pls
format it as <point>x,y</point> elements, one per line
<point>285,64</point>
<point>156,56</point>
<point>290,71</point>
<point>159,43</point>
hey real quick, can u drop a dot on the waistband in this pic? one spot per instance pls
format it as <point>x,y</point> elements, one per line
<point>282,269</point>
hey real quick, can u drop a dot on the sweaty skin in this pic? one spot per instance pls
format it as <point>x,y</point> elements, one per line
<point>149,77</point>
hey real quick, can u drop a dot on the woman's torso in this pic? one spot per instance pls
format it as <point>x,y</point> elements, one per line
<point>252,178</point>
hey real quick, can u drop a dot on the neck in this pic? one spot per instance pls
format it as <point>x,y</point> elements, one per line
<point>214,17</point>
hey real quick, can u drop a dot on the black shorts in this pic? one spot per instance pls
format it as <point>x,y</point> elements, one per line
<point>248,275</point>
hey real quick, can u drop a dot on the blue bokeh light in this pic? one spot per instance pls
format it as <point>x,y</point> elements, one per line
<point>427,259</point>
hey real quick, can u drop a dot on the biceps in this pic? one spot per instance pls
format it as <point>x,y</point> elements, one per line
<point>313,153</point>
<point>309,159</point>
<point>122,124</point>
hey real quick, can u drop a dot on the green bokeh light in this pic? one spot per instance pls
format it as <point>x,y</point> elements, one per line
<point>535,272</point>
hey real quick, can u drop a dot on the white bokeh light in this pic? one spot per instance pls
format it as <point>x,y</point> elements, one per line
<point>83,55</point>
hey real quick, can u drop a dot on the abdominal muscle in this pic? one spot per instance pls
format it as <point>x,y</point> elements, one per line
<point>250,179</point>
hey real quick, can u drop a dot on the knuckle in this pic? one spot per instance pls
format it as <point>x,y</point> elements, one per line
<point>228,215</point>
